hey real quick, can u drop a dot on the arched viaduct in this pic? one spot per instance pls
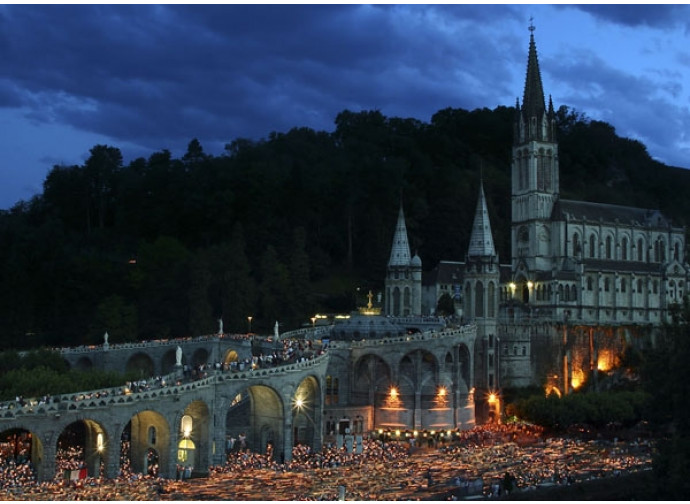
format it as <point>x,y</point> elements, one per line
<point>187,421</point>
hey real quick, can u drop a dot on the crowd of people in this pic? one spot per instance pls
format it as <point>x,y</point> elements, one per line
<point>488,460</point>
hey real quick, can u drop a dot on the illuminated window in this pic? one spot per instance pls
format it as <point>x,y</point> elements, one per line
<point>185,450</point>
<point>186,426</point>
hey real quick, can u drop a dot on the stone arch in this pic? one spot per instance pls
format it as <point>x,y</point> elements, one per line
<point>199,357</point>
<point>141,364</point>
<point>371,373</point>
<point>24,447</point>
<point>418,366</point>
<point>465,367</point>
<point>230,356</point>
<point>84,363</point>
<point>254,413</point>
<point>83,444</point>
<point>306,404</point>
<point>169,360</point>
<point>193,425</point>
<point>140,451</point>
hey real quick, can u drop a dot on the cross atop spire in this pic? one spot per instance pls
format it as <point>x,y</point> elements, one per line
<point>531,24</point>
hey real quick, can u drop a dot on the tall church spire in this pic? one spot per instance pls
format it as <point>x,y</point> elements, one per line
<point>533,97</point>
<point>481,239</point>
<point>400,252</point>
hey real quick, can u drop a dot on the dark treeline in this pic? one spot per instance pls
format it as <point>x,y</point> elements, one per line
<point>280,228</point>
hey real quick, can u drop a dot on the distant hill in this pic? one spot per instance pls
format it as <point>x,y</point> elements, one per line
<point>281,228</point>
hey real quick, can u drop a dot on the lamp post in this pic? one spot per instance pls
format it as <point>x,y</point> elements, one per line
<point>249,323</point>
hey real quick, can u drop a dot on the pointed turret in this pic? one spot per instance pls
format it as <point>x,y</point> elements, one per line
<point>481,239</point>
<point>400,252</point>
<point>404,275</point>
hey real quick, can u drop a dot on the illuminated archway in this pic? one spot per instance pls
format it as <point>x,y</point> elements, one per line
<point>145,435</point>
<point>81,450</point>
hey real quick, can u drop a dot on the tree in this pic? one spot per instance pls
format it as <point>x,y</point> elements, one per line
<point>274,289</point>
<point>239,290</point>
<point>100,170</point>
<point>445,306</point>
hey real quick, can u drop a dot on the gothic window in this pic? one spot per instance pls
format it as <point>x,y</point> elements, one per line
<point>548,170</point>
<point>505,349</point>
<point>560,293</point>
<point>640,250</point>
<point>676,251</point>
<point>576,244</point>
<point>540,170</point>
<point>525,170</point>
<point>662,250</point>
<point>592,245</point>
<point>491,340</point>
<point>608,247</point>
<point>624,249</point>
<point>607,285</point>
<point>152,435</point>
<point>623,286</point>
<point>655,286</point>
<point>492,294</point>
<point>491,360</point>
<point>524,351</point>
<point>468,299</point>
<point>396,302</point>
<point>639,285</point>
<point>672,289</point>
<point>479,300</point>
<point>589,283</point>
<point>573,293</point>
<point>656,251</point>
<point>407,302</point>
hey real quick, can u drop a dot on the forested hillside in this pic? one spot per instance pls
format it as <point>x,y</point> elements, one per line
<point>281,228</point>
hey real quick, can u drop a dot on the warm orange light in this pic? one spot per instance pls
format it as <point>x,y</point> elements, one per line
<point>442,391</point>
<point>605,360</point>
<point>552,390</point>
<point>577,379</point>
<point>394,392</point>
<point>492,398</point>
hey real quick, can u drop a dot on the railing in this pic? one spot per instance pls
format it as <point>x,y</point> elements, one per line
<point>425,336</point>
<point>153,343</point>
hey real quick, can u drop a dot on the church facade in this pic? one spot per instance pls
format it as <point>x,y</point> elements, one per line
<point>585,280</point>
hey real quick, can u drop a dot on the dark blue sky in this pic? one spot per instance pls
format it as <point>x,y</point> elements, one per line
<point>149,77</point>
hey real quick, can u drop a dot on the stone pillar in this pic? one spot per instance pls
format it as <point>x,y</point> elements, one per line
<point>44,460</point>
<point>287,439</point>
<point>417,409</point>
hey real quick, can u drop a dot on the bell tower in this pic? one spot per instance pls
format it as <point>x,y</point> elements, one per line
<point>535,184</point>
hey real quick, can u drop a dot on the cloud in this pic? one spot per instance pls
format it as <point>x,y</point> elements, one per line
<point>654,16</point>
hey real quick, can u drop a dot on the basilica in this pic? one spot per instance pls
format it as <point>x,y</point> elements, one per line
<point>585,283</point>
